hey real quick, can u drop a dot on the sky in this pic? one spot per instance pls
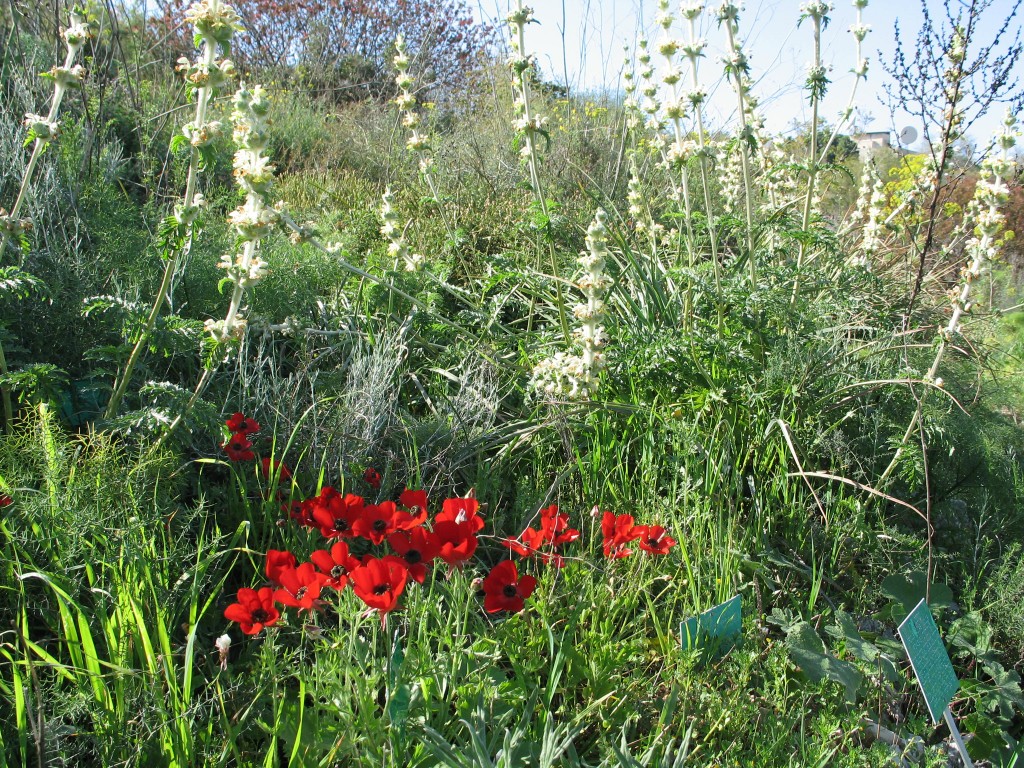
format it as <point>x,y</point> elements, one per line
<point>581,42</point>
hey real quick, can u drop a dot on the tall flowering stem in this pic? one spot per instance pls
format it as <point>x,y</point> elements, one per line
<point>393,230</point>
<point>870,202</point>
<point>253,220</point>
<point>530,127</point>
<point>595,284</point>
<point>42,129</point>
<point>576,376</point>
<point>411,119</point>
<point>859,30</point>
<point>737,68</point>
<point>983,212</point>
<point>215,23</point>
<point>693,49</point>
<point>817,84</point>
<point>678,154</point>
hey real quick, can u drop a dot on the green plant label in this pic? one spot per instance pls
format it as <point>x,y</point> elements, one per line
<point>929,659</point>
<point>722,624</point>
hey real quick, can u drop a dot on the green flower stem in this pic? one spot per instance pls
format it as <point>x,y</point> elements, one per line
<point>59,90</point>
<point>175,255</point>
<point>748,203</point>
<point>860,74</point>
<point>535,182</point>
<point>684,181</point>
<point>248,251</point>
<point>812,167</point>
<point>166,435</point>
<point>698,114</point>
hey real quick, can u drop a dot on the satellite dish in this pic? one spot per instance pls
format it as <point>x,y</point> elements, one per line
<point>908,136</point>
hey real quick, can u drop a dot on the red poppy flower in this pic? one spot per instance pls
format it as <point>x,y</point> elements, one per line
<point>279,560</point>
<point>336,515</point>
<point>269,467</point>
<point>5,500</point>
<point>505,590</point>
<point>528,542</point>
<point>555,526</point>
<point>254,610</point>
<point>337,564</point>
<point>372,478</point>
<point>376,522</point>
<point>418,548</point>
<point>242,424</point>
<point>461,510</point>
<point>416,503</point>
<point>300,587</point>
<point>238,448</point>
<point>380,582</point>
<point>458,541</point>
<point>652,539</point>
<point>618,531</point>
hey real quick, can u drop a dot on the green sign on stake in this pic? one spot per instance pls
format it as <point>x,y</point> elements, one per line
<point>723,624</point>
<point>933,669</point>
<point>929,659</point>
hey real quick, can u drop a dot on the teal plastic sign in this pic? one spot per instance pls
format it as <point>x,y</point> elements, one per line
<point>929,659</point>
<point>723,623</point>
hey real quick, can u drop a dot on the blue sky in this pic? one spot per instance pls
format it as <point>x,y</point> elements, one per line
<point>591,33</point>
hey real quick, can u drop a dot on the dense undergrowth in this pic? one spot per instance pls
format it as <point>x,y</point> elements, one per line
<point>750,348</point>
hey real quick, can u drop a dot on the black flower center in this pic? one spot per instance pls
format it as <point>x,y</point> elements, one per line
<point>338,571</point>
<point>380,525</point>
<point>381,589</point>
<point>301,593</point>
<point>509,590</point>
<point>259,616</point>
<point>413,556</point>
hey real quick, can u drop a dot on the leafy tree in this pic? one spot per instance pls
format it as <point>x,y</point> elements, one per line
<point>341,49</point>
<point>947,79</point>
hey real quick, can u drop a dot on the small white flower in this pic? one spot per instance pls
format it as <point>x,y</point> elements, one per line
<point>223,644</point>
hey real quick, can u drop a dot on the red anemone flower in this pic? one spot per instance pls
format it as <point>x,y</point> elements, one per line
<point>376,522</point>
<point>337,564</point>
<point>372,478</point>
<point>460,510</point>
<point>416,503</point>
<point>528,542</point>
<point>270,466</point>
<point>505,589</point>
<point>300,587</point>
<point>418,548</point>
<point>380,582</point>
<point>254,610</point>
<point>238,448</point>
<point>458,541</point>
<point>653,539</point>
<point>242,425</point>
<point>279,560</point>
<point>336,515</point>
<point>618,531</point>
<point>555,526</point>
<point>296,510</point>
